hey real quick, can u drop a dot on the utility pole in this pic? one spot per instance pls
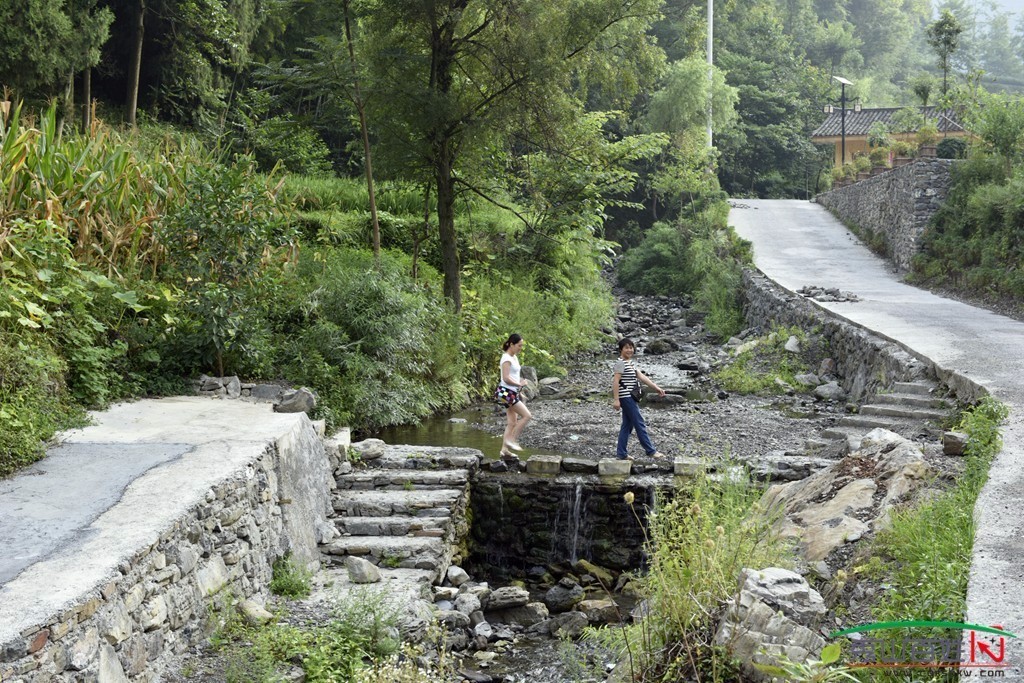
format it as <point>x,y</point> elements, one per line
<point>711,71</point>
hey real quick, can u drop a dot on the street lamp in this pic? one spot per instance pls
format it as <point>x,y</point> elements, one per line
<point>828,109</point>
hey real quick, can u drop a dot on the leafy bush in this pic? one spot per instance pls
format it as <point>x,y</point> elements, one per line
<point>757,370</point>
<point>952,148</point>
<point>379,348</point>
<point>34,403</point>
<point>927,565</point>
<point>702,258</point>
<point>699,542</point>
<point>553,325</point>
<point>227,234</point>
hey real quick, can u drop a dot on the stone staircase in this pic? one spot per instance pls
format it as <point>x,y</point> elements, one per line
<point>402,507</point>
<point>909,409</point>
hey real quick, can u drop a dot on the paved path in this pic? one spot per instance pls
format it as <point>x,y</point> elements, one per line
<point>797,243</point>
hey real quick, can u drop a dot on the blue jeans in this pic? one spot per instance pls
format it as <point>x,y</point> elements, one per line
<point>632,419</point>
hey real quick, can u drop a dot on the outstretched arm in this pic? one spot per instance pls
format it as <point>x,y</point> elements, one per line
<point>650,382</point>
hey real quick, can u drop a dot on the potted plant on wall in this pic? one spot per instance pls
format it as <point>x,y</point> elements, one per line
<point>927,137</point>
<point>838,177</point>
<point>879,160</point>
<point>863,165</point>
<point>901,151</point>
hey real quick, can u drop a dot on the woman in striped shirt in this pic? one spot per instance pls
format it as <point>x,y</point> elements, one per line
<point>625,378</point>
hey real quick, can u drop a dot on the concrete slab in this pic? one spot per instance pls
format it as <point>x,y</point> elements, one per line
<point>798,243</point>
<point>121,481</point>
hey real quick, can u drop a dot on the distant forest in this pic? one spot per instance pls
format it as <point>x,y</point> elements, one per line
<point>275,76</point>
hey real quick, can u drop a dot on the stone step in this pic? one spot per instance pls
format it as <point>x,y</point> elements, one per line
<point>409,480</point>
<point>869,422</point>
<point>429,503</point>
<point>852,435</point>
<point>914,400</point>
<point>395,525</point>
<point>403,552</point>
<point>905,412</point>
<point>406,457</point>
<point>919,388</point>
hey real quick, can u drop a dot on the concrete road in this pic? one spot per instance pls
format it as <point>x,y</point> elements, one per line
<point>798,243</point>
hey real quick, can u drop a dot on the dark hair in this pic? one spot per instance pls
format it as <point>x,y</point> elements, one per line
<point>624,342</point>
<point>512,339</point>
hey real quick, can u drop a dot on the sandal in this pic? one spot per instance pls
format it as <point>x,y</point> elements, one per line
<point>514,446</point>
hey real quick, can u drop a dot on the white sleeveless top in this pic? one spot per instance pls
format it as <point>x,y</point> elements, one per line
<point>513,371</point>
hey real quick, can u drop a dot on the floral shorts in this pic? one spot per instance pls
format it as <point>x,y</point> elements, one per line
<point>505,396</point>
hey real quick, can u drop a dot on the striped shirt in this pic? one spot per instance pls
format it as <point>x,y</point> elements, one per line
<point>627,376</point>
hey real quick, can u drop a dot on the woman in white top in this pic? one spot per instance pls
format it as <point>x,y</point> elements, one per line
<point>507,394</point>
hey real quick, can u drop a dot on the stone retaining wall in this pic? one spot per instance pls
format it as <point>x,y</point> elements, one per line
<point>865,361</point>
<point>897,205</point>
<point>522,521</point>
<point>155,603</point>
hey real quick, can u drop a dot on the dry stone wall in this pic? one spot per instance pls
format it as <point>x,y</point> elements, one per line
<point>897,205</point>
<point>865,361</point>
<point>156,603</point>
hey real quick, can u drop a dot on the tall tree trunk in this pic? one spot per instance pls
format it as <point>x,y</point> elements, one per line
<point>357,98</point>
<point>442,59</point>
<point>135,66</point>
<point>446,226</point>
<point>86,99</point>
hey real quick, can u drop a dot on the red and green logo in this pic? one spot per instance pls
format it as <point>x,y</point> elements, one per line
<point>972,646</point>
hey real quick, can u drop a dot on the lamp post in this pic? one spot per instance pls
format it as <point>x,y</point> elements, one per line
<point>842,112</point>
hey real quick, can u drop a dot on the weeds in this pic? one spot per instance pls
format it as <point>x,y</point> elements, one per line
<point>761,369</point>
<point>290,579</point>
<point>927,564</point>
<point>699,541</point>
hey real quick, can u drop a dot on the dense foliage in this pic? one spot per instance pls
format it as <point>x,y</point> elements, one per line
<point>974,244</point>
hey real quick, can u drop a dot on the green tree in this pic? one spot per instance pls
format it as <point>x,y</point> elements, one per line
<point>944,38</point>
<point>998,54</point>
<point>462,78</point>
<point>46,42</point>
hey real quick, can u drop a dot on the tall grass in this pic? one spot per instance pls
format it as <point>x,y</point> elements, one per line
<point>699,542</point>
<point>927,564</point>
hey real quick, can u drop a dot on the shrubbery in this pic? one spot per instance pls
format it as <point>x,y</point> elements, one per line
<point>699,257</point>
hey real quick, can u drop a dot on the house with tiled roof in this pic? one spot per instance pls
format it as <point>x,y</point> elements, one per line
<point>859,122</point>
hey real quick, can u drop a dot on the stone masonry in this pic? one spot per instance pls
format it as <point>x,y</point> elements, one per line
<point>117,607</point>
<point>864,361</point>
<point>897,204</point>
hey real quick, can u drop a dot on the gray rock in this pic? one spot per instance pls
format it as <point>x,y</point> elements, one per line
<point>369,449</point>
<point>569,625</point>
<point>467,603</point>
<point>266,392</point>
<point>254,613</point>
<point>954,443</point>
<point>508,596</point>
<point>830,392</point>
<point>362,571</point>
<point>298,401</point>
<point>563,596</point>
<point>457,575</point>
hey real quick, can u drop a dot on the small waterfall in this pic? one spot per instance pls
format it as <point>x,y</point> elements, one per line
<point>501,503</point>
<point>574,520</point>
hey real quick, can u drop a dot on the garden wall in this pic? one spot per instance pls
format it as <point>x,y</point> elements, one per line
<point>895,205</point>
